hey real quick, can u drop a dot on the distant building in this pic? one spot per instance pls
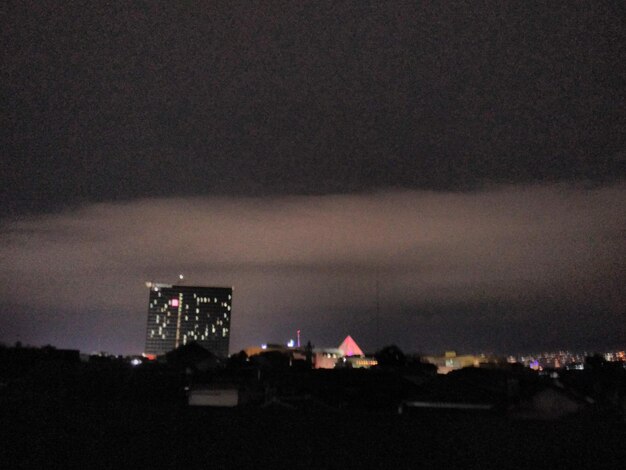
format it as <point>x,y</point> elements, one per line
<point>348,354</point>
<point>451,361</point>
<point>326,358</point>
<point>357,362</point>
<point>350,348</point>
<point>178,315</point>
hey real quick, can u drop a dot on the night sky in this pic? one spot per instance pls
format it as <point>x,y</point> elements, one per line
<point>466,157</point>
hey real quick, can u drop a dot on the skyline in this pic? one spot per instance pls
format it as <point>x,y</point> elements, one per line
<point>468,156</point>
<point>506,270</point>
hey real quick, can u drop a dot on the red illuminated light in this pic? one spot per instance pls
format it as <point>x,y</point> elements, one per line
<point>174,302</point>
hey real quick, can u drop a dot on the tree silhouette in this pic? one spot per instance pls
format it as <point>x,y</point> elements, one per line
<point>237,361</point>
<point>308,351</point>
<point>390,356</point>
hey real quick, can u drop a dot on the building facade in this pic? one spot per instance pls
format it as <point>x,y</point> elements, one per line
<point>178,315</point>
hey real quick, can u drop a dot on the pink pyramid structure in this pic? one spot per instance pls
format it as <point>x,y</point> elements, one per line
<point>350,348</point>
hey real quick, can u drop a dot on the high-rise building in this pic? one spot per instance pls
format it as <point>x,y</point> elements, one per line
<point>178,315</point>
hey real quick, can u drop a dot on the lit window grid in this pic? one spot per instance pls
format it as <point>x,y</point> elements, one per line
<point>202,315</point>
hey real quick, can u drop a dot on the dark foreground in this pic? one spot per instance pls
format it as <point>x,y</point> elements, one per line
<point>153,435</point>
<point>60,414</point>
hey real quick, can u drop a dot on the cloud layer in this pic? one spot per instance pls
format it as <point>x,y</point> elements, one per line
<point>505,269</point>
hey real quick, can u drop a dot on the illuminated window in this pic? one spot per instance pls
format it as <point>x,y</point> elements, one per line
<point>174,302</point>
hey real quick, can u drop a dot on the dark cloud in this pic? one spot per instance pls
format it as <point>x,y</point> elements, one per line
<point>508,268</point>
<point>118,100</point>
